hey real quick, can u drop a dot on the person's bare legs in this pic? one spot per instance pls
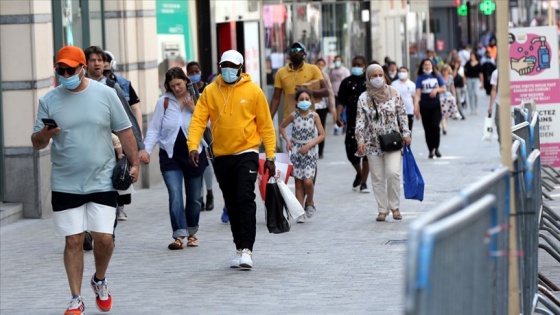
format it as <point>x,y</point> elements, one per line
<point>309,189</point>
<point>74,261</point>
<point>300,191</point>
<point>102,251</point>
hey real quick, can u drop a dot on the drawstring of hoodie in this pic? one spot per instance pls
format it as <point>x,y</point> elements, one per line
<point>226,99</point>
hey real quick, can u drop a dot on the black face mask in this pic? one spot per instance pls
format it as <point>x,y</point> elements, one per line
<point>108,73</point>
<point>296,59</point>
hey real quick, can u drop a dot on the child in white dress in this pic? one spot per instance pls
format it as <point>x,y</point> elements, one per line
<point>303,153</point>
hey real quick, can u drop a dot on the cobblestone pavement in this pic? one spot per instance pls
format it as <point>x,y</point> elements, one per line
<point>340,261</point>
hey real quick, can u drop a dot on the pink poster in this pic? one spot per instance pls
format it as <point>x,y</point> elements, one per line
<point>535,75</point>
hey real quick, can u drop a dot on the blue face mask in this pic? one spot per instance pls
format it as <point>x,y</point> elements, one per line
<point>195,78</point>
<point>304,105</point>
<point>357,71</point>
<point>230,74</point>
<point>337,64</point>
<point>70,83</point>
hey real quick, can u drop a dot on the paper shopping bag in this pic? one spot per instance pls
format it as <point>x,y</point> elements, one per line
<point>276,221</point>
<point>488,128</point>
<point>283,170</point>
<point>292,204</point>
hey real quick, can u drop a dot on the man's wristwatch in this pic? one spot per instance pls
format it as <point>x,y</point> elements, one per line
<point>271,159</point>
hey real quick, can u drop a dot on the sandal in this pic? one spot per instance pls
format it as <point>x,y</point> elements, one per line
<point>192,241</point>
<point>177,244</point>
<point>381,217</point>
<point>396,214</point>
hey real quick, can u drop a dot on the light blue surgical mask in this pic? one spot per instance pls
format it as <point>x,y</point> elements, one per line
<point>337,63</point>
<point>230,75</point>
<point>357,71</point>
<point>195,78</point>
<point>304,105</point>
<point>70,83</point>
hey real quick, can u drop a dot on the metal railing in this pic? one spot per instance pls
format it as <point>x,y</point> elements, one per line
<point>458,254</point>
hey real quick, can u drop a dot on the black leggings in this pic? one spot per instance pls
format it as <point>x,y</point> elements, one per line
<point>323,117</point>
<point>431,118</point>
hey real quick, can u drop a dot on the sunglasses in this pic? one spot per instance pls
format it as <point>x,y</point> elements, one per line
<point>296,50</point>
<point>70,71</point>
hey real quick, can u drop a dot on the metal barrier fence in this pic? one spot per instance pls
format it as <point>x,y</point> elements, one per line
<point>457,255</point>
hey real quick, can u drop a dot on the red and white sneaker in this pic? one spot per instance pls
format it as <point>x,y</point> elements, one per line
<point>76,307</point>
<point>103,298</point>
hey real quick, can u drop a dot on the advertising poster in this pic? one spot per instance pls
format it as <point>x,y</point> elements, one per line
<point>535,75</point>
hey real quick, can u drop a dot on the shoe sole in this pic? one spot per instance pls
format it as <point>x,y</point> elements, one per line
<point>245,267</point>
<point>365,191</point>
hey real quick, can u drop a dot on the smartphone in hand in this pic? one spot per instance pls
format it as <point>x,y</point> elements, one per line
<point>50,123</point>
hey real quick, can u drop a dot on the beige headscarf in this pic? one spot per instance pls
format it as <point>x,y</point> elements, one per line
<point>381,94</point>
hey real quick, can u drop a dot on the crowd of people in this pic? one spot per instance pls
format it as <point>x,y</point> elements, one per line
<point>217,128</point>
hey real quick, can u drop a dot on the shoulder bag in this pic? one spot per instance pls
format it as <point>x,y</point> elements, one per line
<point>390,142</point>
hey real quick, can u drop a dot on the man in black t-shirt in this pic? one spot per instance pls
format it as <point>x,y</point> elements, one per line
<point>348,94</point>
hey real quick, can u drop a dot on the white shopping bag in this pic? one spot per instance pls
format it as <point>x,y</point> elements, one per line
<point>488,128</point>
<point>294,207</point>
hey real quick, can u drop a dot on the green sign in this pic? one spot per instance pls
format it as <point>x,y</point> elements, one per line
<point>487,7</point>
<point>462,10</point>
<point>172,18</point>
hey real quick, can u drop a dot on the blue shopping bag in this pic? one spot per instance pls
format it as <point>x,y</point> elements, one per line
<point>412,178</point>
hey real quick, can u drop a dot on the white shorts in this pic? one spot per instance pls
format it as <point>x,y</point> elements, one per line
<point>88,217</point>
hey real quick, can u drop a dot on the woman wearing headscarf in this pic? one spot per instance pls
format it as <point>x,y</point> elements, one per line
<point>381,111</point>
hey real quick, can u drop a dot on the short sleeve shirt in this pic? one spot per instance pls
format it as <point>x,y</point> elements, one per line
<point>82,153</point>
<point>494,81</point>
<point>428,82</point>
<point>287,79</point>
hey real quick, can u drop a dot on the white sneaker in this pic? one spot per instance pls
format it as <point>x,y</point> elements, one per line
<point>310,210</point>
<point>237,260</point>
<point>246,260</point>
<point>121,215</point>
<point>301,219</point>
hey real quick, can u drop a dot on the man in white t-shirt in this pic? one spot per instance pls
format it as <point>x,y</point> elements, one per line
<point>407,89</point>
<point>465,54</point>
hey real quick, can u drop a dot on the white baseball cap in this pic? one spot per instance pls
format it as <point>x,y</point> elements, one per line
<point>232,56</point>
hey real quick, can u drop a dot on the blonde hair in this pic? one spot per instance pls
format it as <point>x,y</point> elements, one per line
<point>448,68</point>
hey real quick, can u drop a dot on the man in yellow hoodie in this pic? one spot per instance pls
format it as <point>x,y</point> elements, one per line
<point>240,121</point>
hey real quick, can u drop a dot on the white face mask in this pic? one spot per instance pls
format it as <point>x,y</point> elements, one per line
<point>392,73</point>
<point>428,71</point>
<point>403,75</point>
<point>377,82</point>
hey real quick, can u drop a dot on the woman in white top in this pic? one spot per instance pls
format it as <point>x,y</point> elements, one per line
<point>407,89</point>
<point>169,129</point>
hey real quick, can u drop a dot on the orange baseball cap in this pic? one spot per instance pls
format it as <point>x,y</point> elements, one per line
<point>71,55</point>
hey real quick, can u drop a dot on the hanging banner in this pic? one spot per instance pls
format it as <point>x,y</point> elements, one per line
<point>535,75</point>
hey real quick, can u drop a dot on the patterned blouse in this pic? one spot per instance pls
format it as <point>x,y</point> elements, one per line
<point>373,121</point>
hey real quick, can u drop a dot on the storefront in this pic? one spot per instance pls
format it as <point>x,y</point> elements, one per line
<point>326,29</point>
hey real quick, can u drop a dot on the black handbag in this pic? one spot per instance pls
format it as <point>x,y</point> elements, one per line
<point>276,221</point>
<point>391,142</point>
<point>121,175</point>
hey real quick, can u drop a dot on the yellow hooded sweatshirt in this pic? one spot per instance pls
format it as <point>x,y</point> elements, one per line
<point>239,117</point>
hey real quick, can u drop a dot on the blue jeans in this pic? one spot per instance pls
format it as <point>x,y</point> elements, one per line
<point>184,218</point>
